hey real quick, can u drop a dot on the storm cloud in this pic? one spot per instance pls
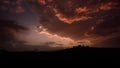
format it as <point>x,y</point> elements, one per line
<point>95,20</point>
<point>14,6</point>
<point>9,32</point>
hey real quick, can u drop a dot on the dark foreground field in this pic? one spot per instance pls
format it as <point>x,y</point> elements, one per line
<point>76,53</point>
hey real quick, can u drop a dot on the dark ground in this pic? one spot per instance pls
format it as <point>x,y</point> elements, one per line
<point>76,53</point>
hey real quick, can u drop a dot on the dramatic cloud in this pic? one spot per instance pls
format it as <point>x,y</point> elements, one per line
<point>9,32</point>
<point>39,36</point>
<point>110,43</point>
<point>92,20</point>
<point>13,38</point>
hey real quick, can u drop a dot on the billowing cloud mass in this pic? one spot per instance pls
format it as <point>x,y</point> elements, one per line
<point>94,21</point>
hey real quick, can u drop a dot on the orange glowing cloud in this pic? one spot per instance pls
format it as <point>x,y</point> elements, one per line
<point>92,28</point>
<point>82,13</point>
<point>84,21</point>
<point>81,10</point>
<point>107,6</point>
<point>97,8</point>
<point>43,2</point>
<point>66,41</point>
<point>70,20</point>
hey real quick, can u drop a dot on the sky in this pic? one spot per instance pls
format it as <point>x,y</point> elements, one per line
<point>45,25</point>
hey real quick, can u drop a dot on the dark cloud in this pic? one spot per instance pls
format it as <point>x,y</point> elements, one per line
<point>14,6</point>
<point>79,19</point>
<point>53,44</point>
<point>35,48</point>
<point>9,32</point>
<point>9,39</point>
<point>110,43</point>
<point>109,26</point>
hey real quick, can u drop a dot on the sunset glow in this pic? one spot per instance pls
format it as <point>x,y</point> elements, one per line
<point>57,24</point>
